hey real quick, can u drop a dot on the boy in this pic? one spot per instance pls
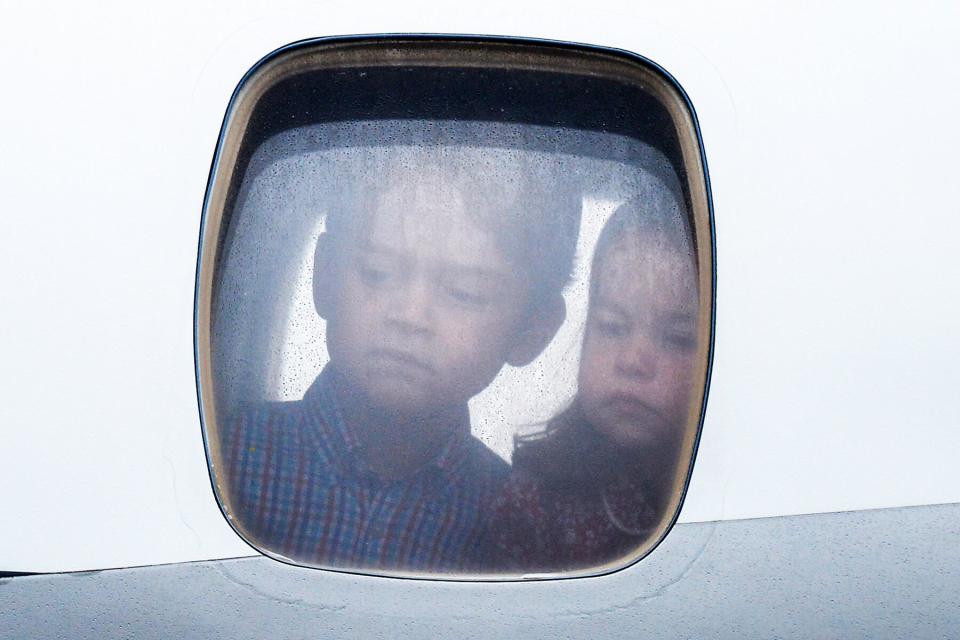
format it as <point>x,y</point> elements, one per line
<point>429,283</point>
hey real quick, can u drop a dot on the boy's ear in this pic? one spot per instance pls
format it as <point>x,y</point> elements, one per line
<point>323,276</point>
<point>541,325</point>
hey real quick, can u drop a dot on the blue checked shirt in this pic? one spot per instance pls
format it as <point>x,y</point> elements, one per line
<point>297,487</point>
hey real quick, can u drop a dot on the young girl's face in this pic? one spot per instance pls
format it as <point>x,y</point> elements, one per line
<point>640,342</point>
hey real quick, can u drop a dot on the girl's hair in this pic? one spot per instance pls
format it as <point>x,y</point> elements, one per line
<point>570,454</point>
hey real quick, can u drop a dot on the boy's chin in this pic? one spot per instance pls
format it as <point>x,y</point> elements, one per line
<point>401,399</point>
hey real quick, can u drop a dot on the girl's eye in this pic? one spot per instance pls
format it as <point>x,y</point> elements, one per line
<point>612,329</point>
<point>681,341</point>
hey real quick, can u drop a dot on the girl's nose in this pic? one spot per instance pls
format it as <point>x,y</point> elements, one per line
<point>638,359</point>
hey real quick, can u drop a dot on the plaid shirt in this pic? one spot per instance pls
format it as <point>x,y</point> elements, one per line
<point>299,488</point>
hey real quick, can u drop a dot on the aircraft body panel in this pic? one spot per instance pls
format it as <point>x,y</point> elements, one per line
<point>865,574</point>
<point>830,134</point>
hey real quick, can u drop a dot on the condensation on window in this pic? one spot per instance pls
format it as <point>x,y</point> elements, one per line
<point>269,339</point>
<point>455,347</point>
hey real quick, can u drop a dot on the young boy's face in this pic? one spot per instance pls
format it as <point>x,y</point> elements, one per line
<point>422,308</point>
<point>640,343</point>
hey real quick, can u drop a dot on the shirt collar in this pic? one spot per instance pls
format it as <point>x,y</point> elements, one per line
<point>325,413</point>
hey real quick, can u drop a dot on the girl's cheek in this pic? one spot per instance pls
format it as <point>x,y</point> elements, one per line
<point>681,383</point>
<point>590,373</point>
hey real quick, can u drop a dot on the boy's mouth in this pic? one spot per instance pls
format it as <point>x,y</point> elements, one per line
<point>394,360</point>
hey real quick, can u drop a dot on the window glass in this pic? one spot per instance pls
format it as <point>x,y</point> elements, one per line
<point>448,344</point>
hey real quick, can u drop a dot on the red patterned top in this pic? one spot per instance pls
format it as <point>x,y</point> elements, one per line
<point>538,529</point>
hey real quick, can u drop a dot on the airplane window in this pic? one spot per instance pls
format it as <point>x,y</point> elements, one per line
<point>454,311</point>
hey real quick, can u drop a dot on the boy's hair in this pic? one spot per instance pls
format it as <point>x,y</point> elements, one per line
<point>520,197</point>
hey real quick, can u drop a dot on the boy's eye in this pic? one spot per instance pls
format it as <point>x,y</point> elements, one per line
<point>466,296</point>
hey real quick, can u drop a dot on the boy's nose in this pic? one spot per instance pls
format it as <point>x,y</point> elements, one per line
<point>638,359</point>
<point>411,307</point>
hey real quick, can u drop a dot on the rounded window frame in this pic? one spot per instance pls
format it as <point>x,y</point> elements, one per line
<point>479,52</point>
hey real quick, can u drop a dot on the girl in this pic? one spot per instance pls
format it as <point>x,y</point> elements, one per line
<point>594,484</point>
